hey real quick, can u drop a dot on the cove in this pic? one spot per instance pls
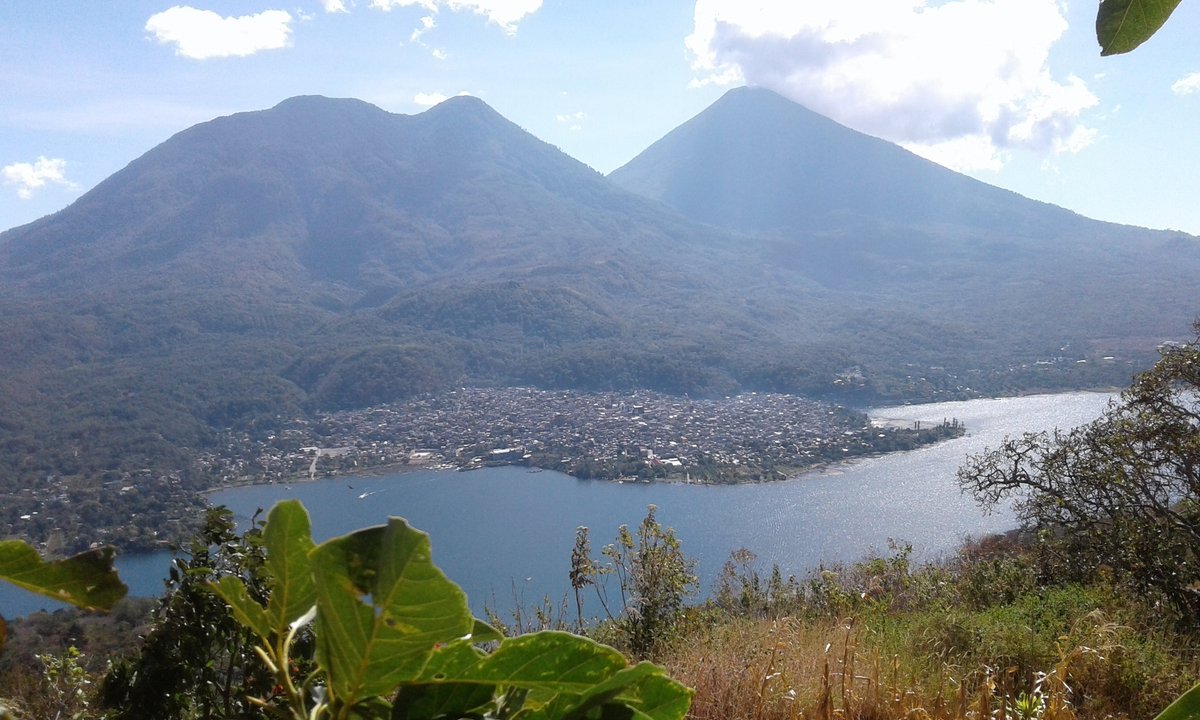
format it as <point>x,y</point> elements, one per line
<point>505,534</point>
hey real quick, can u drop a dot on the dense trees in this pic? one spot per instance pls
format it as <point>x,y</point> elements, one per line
<point>1122,492</point>
<point>197,661</point>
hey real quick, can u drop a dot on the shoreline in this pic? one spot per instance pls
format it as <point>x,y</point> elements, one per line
<point>786,474</point>
<point>789,473</point>
<point>305,478</point>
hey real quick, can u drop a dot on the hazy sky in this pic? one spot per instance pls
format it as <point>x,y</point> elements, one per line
<point>1012,92</point>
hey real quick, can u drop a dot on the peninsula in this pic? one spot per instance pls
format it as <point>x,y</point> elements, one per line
<point>638,435</point>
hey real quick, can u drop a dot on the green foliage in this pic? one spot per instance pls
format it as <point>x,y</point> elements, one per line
<point>56,685</point>
<point>86,580</point>
<point>68,684</point>
<point>1122,25</point>
<point>992,581</point>
<point>395,638</point>
<point>583,573</point>
<point>1021,634</point>
<point>989,608</point>
<point>739,588</point>
<point>354,377</point>
<point>741,591</point>
<point>1187,707</point>
<point>197,661</point>
<point>654,578</point>
<point>1122,492</point>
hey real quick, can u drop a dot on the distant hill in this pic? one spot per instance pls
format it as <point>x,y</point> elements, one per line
<point>328,218</point>
<point>335,195</point>
<point>855,213</point>
<point>326,254</point>
<point>755,161</point>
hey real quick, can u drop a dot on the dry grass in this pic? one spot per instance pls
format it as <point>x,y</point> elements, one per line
<point>788,669</point>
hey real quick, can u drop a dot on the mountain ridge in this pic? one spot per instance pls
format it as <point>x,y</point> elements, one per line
<point>811,150</point>
<point>282,176</point>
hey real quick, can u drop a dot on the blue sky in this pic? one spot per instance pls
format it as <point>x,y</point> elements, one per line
<point>1013,92</point>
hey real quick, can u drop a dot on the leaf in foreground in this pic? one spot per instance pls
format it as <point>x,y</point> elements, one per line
<point>86,580</point>
<point>1187,707</point>
<point>288,540</point>
<point>1122,25</point>
<point>245,609</point>
<point>382,608</point>
<point>563,675</point>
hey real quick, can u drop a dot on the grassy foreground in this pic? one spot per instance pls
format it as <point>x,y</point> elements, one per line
<point>980,636</point>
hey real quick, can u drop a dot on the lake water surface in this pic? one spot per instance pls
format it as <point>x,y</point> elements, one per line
<point>500,531</point>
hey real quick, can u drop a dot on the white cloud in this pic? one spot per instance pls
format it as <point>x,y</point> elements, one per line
<point>573,121</point>
<point>29,177</point>
<point>1187,85</point>
<point>203,34</point>
<point>387,5</point>
<point>505,13</point>
<point>439,54</point>
<point>434,98</point>
<point>334,6</point>
<point>962,82</point>
<point>728,75</point>
<point>427,24</point>
<point>429,99</point>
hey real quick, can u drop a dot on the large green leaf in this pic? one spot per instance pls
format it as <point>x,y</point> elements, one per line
<point>1187,707</point>
<point>420,701</point>
<point>245,609</point>
<point>483,633</point>
<point>86,580</point>
<point>642,692</point>
<point>1122,25</point>
<point>564,676</point>
<point>288,541</point>
<point>382,608</point>
<point>536,661</point>
<point>287,538</point>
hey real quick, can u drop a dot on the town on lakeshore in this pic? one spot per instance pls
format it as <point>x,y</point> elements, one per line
<point>626,436</point>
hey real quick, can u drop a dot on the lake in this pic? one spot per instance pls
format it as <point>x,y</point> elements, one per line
<point>507,531</point>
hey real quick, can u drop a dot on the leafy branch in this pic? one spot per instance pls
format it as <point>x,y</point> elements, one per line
<point>395,638</point>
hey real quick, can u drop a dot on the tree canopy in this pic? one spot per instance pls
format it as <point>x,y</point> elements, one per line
<point>1122,492</point>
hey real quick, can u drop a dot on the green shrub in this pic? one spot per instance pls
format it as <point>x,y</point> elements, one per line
<point>395,638</point>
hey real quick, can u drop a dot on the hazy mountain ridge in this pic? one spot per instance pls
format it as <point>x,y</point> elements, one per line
<point>781,166</point>
<point>324,191</point>
<point>855,213</point>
